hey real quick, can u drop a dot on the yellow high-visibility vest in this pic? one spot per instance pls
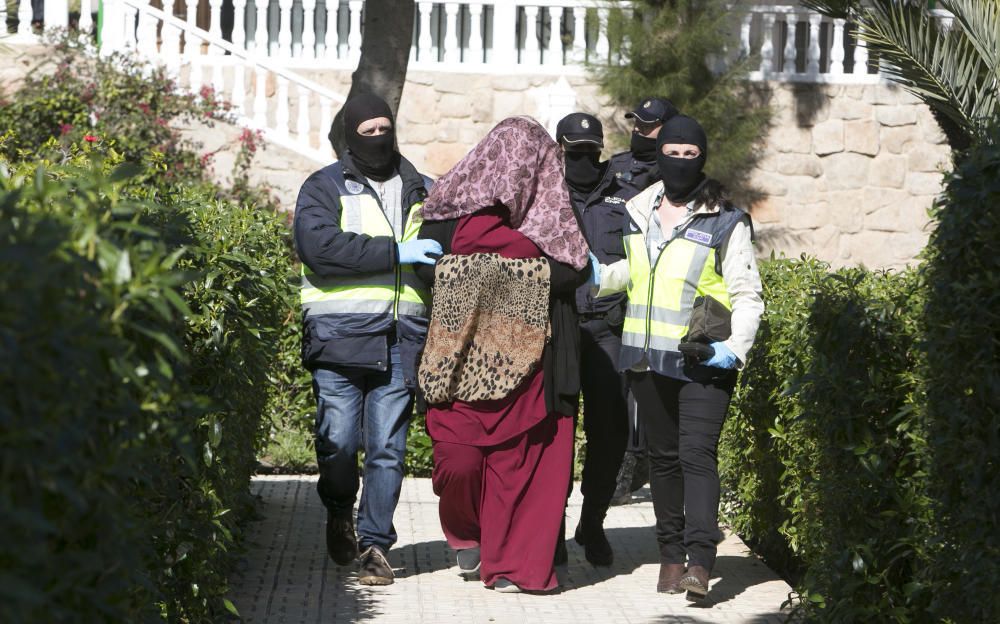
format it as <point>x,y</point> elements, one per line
<point>661,297</point>
<point>397,293</point>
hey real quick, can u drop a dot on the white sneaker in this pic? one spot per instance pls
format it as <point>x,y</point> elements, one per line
<point>506,587</point>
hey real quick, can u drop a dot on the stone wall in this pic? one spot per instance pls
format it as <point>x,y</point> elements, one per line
<point>849,173</point>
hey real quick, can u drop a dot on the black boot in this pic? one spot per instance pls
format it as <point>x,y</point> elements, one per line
<point>341,543</point>
<point>623,489</point>
<point>590,535</point>
<point>640,471</point>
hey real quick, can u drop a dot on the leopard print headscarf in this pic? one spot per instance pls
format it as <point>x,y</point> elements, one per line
<point>519,166</point>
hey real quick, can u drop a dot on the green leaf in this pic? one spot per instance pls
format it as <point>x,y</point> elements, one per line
<point>125,171</point>
<point>230,607</point>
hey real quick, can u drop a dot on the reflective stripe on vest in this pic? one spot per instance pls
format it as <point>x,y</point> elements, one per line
<point>398,292</point>
<point>660,299</point>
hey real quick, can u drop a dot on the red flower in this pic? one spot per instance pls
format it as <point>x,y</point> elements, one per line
<point>65,129</point>
<point>90,138</point>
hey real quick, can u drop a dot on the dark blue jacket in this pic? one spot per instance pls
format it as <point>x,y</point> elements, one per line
<point>633,176</point>
<point>329,251</point>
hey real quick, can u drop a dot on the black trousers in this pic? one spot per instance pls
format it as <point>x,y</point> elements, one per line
<point>683,420</point>
<point>605,413</point>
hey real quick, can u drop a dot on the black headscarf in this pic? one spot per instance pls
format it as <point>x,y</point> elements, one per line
<point>374,156</point>
<point>682,177</point>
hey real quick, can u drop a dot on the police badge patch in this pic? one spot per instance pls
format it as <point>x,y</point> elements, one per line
<point>698,236</point>
<point>354,187</point>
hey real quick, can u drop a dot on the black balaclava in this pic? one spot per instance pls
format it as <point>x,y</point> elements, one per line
<point>682,177</point>
<point>374,156</point>
<point>643,148</point>
<point>583,170</point>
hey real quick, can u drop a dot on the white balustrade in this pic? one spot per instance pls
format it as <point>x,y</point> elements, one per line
<point>325,120</point>
<point>281,115</point>
<point>767,47</point>
<point>56,13</point>
<point>86,23</point>
<point>170,41</point>
<point>509,34</point>
<point>837,51</point>
<point>531,53</point>
<point>452,51</point>
<point>860,57</point>
<point>308,29</point>
<point>260,27</point>
<point>475,54</point>
<point>285,29</point>
<point>603,47</point>
<point>791,28</point>
<point>260,98</point>
<point>554,53</point>
<point>579,34</point>
<point>24,19</point>
<point>239,24</point>
<point>238,93</point>
<point>812,57</point>
<point>330,34</point>
<point>191,7</point>
<point>424,41</point>
<point>354,34</point>
<point>302,119</point>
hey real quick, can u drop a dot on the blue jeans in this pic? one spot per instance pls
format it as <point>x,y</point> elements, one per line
<point>356,405</point>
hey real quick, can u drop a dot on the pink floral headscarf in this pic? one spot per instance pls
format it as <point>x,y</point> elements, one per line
<point>519,166</point>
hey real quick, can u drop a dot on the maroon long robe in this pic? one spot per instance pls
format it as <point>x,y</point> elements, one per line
<point>501,468</point>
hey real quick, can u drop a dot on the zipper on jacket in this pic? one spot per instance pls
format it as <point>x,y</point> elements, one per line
<point>649,299</point>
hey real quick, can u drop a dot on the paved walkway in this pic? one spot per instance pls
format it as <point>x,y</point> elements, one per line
<point>287,577</point>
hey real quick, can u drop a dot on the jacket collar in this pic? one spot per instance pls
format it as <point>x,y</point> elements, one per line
<point>641,207</point>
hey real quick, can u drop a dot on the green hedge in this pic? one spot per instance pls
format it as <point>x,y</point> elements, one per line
<point>820,451</point>
<point>962,387</point>
<point>137,331</point>
<point>861,453</point>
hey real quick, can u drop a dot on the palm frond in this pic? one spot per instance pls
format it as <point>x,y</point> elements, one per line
<point>944,69</point>
<point>980,19</point>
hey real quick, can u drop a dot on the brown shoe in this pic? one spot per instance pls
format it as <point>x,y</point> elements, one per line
<point>670,577</point>
<point>695,582</point>
<point>375,568</point>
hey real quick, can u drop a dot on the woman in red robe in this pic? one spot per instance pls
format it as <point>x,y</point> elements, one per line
<point>502,466</point>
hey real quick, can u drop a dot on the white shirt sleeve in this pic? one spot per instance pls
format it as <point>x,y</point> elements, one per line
<point>739,267</point>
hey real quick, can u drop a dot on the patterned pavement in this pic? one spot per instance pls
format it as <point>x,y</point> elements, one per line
<point>287,578</point>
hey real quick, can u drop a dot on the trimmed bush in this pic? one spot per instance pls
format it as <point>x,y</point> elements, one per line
<point>962,386</point>
<point>821,454</point>
<point>138,332</point>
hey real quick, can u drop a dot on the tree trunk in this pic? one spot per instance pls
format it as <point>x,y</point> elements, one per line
<point>385,53</point>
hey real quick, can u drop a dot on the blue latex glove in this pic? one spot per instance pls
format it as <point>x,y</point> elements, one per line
<point>595,270</point>
<point>723,358</point>
<point>418,251</point>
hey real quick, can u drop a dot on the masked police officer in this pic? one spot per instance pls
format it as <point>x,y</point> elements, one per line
<point>364,321</point>
<point>635,170</point>
<point>601,211</point>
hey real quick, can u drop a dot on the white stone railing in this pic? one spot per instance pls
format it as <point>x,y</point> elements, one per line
<point>264,95</point>
<point>794,44</point>
<point>787,42</point>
